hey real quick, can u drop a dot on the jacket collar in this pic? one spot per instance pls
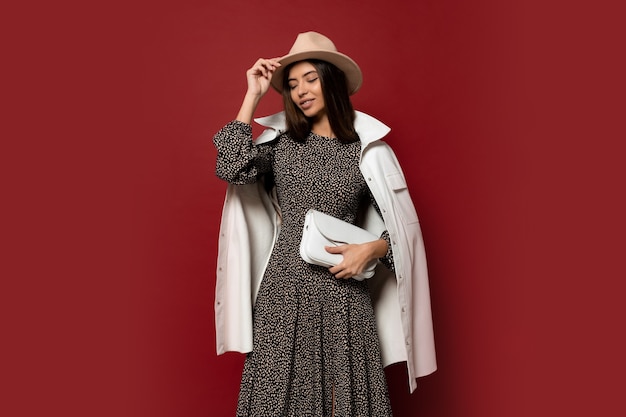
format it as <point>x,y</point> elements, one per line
<point>367,127</point>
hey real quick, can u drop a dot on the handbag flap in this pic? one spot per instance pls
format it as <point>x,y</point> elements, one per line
<point>337,230</point>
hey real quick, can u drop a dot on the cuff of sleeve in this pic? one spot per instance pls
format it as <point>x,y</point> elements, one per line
<point>387,260</point>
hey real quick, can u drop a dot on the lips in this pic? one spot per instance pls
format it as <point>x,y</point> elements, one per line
<point>306,104</point>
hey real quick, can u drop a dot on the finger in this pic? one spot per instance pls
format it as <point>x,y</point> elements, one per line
<point>343,275</point>
<point>261,67</point>
<point>339,272</point>
<point>334,249</point>
<point>273,62</point>
<point>339,275</point>
<point>267,71</point>
<point>268,64</point>
<point>257,70</point>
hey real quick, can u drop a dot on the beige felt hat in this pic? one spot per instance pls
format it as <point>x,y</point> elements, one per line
<point>313,45</point>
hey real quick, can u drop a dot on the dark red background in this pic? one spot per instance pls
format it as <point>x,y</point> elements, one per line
<point>507,117</point>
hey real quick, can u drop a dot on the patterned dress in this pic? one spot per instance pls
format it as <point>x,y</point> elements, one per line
<point>314,336</point>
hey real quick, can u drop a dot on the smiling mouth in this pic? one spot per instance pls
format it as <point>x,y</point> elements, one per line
<point>305,104</point>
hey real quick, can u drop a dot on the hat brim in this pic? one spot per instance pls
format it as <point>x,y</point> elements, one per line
<point>354,77</point>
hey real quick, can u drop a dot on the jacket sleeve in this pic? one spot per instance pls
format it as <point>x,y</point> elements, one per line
<point>239,159</point>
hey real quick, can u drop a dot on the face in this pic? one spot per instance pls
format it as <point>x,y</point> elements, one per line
<point>306,90</point>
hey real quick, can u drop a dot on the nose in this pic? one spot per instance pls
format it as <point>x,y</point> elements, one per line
<point>302,90</point>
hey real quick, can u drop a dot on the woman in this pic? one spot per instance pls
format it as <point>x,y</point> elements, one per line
<point>314,334</point>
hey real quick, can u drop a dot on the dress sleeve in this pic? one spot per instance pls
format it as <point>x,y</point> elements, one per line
<point>239,159</point>
<point>386,260</point>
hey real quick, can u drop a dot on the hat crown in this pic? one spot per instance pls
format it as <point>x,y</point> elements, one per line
<point>312,41</point>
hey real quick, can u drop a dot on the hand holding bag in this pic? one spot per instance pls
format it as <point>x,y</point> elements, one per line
<point>321,230</point>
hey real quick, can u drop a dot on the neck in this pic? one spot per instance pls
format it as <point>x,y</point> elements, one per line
<point>322,127</point>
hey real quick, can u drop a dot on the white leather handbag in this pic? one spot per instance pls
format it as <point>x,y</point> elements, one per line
<point>321,230</point>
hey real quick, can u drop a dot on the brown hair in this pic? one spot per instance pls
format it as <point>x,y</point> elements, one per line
<point>336,98</point>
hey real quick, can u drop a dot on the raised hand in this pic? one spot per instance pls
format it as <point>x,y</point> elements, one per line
<point>260,75</point>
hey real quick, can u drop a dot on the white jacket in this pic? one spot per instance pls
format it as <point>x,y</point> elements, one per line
<point>249,227</point>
